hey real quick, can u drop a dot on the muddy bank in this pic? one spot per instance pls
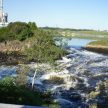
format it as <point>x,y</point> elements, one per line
<point>12,58</point>
<point>97,48</point>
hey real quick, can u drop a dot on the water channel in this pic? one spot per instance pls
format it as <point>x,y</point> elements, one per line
<point>78,72</point>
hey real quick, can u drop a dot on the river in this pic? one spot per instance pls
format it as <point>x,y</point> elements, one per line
<point>76,74</point>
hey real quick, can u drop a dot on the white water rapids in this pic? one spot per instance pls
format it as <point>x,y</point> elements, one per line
<point>79,71</point>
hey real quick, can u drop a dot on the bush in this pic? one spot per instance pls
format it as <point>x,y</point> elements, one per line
<point>40,44</point>
<point>43,48</point>
<point>3,34</point>
<point>14,94</point>
<point>32,25</point>
<point>16,31</point>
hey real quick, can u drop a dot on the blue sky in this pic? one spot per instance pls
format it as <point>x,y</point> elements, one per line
<point>84,14</point>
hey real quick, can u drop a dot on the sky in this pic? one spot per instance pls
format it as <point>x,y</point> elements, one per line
<point>80,14</point>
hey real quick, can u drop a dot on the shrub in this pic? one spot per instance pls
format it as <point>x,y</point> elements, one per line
<point>16,31</point>
<point>19,30</point>
<point>32,25</point>
<point>14,94</point>
<point>43,48</point>
<point>3,34</point>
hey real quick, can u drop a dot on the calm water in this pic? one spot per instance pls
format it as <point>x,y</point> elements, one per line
<point>72,42</point>
<point>77,42</point>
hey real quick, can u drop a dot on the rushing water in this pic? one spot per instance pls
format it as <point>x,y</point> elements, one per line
<point>79,71</point>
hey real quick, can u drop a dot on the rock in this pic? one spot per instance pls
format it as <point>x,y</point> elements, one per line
<point>65,103</point>
<point>71,95</point>
<point>38,82</point>
<point>75,97</point>
<point>7,71</point>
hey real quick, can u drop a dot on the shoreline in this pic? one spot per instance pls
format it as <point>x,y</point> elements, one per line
<point>97,48</point>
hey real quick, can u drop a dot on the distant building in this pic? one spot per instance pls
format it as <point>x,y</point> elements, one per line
<point>3,16</point>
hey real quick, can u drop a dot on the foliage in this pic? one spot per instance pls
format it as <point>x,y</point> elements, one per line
<point>15,31</point>
<point>21,78</point>
<point>14,94</point>
<point>77,33</point>
<point>3,34</point>
<point>8,82</point>
<point>103,42</point>
<point>39,45</point>
<point>32,25</point>
<point>43,48</point>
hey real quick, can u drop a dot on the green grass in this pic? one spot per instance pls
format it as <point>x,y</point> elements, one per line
<point>78,33</point>
<point>94,32</point>
<point>13,93</point>
<point>99,46</point>
<point>103,42</point>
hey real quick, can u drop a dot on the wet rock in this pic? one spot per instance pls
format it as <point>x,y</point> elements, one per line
<point>7,71</point>
<point>66,104</point>
<point>80,86</point>
<point>72,96</point>
<point>75,97</point>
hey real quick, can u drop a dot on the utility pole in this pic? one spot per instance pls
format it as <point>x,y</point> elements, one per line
<point>1,12</point>
<point>1,5</point>
<point>3,16</point>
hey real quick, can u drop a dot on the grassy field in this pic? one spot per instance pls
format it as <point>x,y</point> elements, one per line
<point>103,42</point>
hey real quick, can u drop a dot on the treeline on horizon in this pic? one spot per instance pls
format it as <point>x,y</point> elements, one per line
<point>72,29</point>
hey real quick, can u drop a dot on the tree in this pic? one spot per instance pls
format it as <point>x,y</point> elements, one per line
<point>32,25</point>
<point>16,31</point>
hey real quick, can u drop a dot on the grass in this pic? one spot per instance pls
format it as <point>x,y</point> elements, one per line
<point>78,33</point>
<point>99,46</point>
<point>103,42</point>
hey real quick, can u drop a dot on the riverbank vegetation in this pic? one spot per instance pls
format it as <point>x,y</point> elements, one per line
<point>103,42</point>
<point>22,43</point>
<point>100,46</point>
<point>13,93</point>
<point>28,40</point>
